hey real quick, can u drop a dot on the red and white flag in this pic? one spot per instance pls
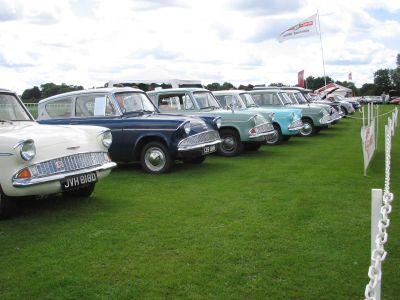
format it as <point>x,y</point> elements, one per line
<point>305,28</point>
<point>350,76</point>
<point>300,78</point>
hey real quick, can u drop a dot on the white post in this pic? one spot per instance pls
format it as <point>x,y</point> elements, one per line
<point>376,204</point>
<point>322,48</point>
<point>363,116</point>
<point>377,127</point>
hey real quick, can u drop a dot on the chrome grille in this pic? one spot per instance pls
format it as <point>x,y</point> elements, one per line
<point>69,163</point>
<point>200,138</point>
<point>265,127</point>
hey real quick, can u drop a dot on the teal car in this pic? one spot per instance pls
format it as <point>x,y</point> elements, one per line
<point>314,117</point>
<point>240,130</point>
<point>286,121</point>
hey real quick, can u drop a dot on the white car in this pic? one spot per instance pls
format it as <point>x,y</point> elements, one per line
<point>47,159</point>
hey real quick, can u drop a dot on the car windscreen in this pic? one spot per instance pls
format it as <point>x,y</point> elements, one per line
<point>11,109</point>
<point>247,99</point>
<point>205,100</point>
<point>134,102</point>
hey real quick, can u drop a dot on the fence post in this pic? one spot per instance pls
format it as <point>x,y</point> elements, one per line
<point>376,204</point>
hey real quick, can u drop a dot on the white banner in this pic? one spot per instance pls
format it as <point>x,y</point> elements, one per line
<point>368,143</point>
<point>305,28</point>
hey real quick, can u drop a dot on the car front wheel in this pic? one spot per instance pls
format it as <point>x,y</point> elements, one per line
<point>7,206</point>
<point>155,158</point>
<point>231,144</point>
<point>85,191</point>
<point>277,138</point>
<point>308,128</point>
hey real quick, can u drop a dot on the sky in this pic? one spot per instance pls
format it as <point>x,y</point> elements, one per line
<point>89,42</point>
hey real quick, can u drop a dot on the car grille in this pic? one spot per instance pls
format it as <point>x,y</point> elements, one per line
<point>69,163</point>
<point>297,123</point>
<point>265,127</point>
<point>200,138</point>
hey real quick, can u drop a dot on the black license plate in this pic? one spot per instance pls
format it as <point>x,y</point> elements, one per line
<point>209,149</point>
<point>76,181</point>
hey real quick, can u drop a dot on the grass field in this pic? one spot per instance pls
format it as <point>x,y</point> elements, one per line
<point>287,222</point>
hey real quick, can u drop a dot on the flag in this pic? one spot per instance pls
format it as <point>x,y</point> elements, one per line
<point>300,78</point>
<point>305,28</point>
<point>350,76</point>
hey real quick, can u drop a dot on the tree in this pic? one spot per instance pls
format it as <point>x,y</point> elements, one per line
<point>31,95</point>
<point>395,78</point>
<point>398,60</point>
<point>248,87</point>
<point>228,86</point>
<point>215,86</point>
<point>314,83</point>
<point>368,89</point>
<point>382,80</point>
<point>51,89</point>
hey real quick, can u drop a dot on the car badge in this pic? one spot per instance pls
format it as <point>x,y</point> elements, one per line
<point>59,165</point>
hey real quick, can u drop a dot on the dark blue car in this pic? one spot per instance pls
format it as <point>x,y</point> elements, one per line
<point>139,131</point>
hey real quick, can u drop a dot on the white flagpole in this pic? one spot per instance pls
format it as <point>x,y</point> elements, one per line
<point>322,49</point>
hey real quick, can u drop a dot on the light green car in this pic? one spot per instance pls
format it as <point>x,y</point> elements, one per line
<point>244,130</point>
<point>314,117</point>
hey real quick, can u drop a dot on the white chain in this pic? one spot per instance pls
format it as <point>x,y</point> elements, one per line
<point>379,253</point>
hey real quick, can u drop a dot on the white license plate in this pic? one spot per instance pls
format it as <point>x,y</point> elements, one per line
<point>209,149</point>
<point>76,181</point>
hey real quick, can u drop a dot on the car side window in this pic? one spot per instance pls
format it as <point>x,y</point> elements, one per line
<point>169,102</point>
<point>263,99</point>
<point>227,100</point>
<point>275,100</point>
<point>60,108</point>
<point>187,102</point>
<point>94,105</point>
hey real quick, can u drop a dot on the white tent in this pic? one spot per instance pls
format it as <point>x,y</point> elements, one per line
<point>336,89</point>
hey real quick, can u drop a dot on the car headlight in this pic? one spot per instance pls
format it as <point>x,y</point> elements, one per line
<point>272,116</point>
<point>106,139</point>
<point>218,122</point>
<point>293,115</point>
<point>28,150</point>
<point>187,127</point>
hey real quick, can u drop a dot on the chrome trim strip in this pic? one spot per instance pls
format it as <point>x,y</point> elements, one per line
<point>152,129</point>
<point>21,142</point>
<point>295,128</point>
<point>6,154</point>
<point>262,134</point>
<point>194,147</point>
<point>33,181</point>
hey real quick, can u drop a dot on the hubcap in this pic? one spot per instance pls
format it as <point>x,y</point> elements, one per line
<point>274,138</point>
<point>155,159</point>
<point>307,129</point>
<point>228,144</point>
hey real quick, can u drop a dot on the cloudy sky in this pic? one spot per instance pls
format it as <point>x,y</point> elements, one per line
<point>88,42</point>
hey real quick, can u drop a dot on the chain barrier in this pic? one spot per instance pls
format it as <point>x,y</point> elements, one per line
<point>351,117</point>
<point>379,253</point>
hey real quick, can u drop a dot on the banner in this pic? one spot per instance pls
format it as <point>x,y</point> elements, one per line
<point>305,28</point>
<point>300,79</point>
<point>368,143</point>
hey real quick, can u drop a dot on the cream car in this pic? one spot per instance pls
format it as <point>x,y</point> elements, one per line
<point>47,159</point>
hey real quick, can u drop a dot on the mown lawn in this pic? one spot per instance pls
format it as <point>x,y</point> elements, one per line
<point>287,222</point>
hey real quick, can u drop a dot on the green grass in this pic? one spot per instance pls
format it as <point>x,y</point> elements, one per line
<point>287,222</point>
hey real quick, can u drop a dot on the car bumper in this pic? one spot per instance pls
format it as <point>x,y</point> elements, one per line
<point>101,172</point>
<point>193,149</point>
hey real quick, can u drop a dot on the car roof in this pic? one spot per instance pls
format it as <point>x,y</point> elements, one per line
<point>90,91</point>
<point>178,90</point>
<point>6,91</point>
<point>229,92</point>
<point>266,90</point>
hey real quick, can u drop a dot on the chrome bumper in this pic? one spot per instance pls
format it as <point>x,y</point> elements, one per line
<point>16,182</point>
<point>265,134</point>
<point>297,125</point>
<point>198,146</point>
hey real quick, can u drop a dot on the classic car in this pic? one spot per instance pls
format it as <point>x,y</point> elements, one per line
<point>314,118</point>
<point>240,130</point>
<point>347,107</point>
<point>395,100</point>
<point>41,159</point>
<point>140,132</point>
<point>286,121</point>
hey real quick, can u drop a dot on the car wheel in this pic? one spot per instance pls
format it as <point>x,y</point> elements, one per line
<point>308,128</point>
<point>7,206</point>
<point>195,160</point>
<point>85,191</point>
<point>252,146</point>
<point>344,110</point>
<point>277,138</point>
<point>231,145</point>
<point>155,158</point>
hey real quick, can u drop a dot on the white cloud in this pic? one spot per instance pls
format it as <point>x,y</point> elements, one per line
<point>89,42</point>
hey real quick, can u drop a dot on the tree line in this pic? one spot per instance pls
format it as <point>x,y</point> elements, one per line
<point>385,80</point>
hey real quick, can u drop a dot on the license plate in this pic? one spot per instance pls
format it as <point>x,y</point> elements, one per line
<point>76,181</point>
<point>209,149</point>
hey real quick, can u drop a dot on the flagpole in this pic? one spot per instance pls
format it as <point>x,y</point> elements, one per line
<point>322,48</point>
